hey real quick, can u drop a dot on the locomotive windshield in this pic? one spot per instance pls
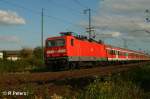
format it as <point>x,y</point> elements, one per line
<point>57,42</point>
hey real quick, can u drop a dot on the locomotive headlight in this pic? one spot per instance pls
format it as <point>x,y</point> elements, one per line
<point>62,51</point>
<point>50,51</point>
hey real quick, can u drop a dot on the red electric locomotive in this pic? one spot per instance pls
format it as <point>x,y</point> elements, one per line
<point>70,51</point>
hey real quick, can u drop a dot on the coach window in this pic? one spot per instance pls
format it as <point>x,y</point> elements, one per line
<point>116,52</point>
<point>113,52</point>
<point>126,54</point>
<point>110,52</point>
<point>119,52</point>
<point>72,42</point>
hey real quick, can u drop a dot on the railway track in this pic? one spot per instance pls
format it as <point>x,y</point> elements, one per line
<point>13,79</point>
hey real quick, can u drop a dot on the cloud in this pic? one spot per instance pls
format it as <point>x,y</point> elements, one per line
<point>109,34</point>
<point>9,39</point>
<point>116,23</point>
<point>125,6</point>
<point>122,20</point>
<point>125,17</point>
<point>10,18</point>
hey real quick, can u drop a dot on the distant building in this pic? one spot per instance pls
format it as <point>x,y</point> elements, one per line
<point>1,55</point>
<point>12,55</point>
<point>15,55</point>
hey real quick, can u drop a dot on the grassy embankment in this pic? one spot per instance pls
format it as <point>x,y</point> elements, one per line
<point>132,84</point>
<point>7,66</point>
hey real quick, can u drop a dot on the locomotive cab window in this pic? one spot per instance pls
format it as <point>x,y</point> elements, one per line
<point>72,42</point>
<point>54,43</point>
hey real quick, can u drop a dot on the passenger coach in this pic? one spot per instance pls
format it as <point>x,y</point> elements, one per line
<point>71,51</point>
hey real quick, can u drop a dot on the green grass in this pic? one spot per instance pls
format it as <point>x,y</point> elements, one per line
<point>132,84</point>
<point>20,65</point>
<point>111,90</point>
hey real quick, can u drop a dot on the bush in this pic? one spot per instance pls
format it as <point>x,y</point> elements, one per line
<point>139,76</point>
<point>13,66</point>
<point>111,90</point>
<point>20,65</point>
<point>29,59</point>
<point>133,84</point>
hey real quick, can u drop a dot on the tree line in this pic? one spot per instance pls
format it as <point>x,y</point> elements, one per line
<point>29,59</point>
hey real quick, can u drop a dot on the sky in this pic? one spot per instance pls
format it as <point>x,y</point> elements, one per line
<point>116,22</point>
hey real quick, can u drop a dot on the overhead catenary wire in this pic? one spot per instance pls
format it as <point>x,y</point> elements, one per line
<point>71,9</point>
<point>83,5</point>
<point>61,20</point>
<point>22,7</point>
<point>36,12</point>
<point>39,12</point>
<point>85,9</point>
<point>80,4</point>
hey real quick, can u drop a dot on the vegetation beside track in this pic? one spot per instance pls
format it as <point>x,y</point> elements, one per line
<point>19,65</point>
<point>30,60</point>
<point>132,84</point>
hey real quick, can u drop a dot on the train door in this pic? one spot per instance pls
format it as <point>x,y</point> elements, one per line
<point>79,50</point>
<point>110,54</point>
<point>117,57</point>
<point>126,54</point>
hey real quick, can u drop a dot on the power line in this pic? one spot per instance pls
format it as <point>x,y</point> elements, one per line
<point>61,20</point>
<point>80,4</point>
<point>89,28</point>
<point>83,5</point>
<point>64,6</point>
<point>38,12</point>
<point>20,6</point>
<point>42,32</point>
